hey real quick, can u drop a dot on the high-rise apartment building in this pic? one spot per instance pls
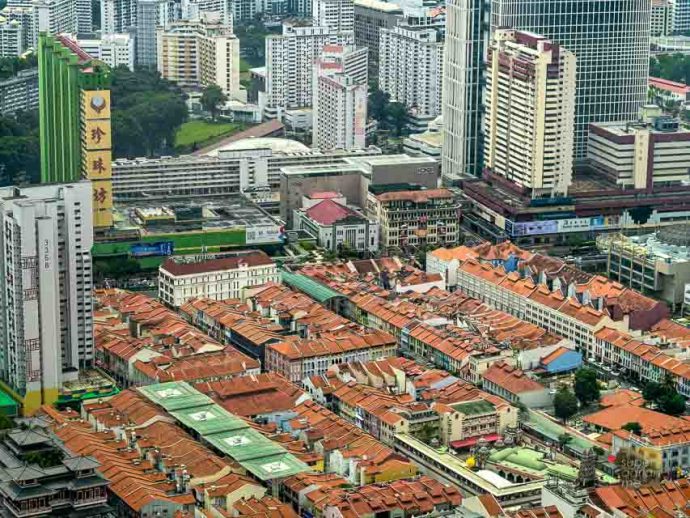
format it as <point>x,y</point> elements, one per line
<point>370,17</point>
<point>337,15</point>
<point>118,15</point>
<point>19,92</point>
<point>681,16</point>
<point>36,16</point>
<point>24,17</point>
<point>12,43</point>
<point>289,64</point>
<point>339,108</point>
<point>530,110</point>
<point>74,113</point>
<point>467,37</point>
<point>200,52</point>
<point>662,17</point>
<point>411,70</point>
<point>193,9</point>
<point>152,14</point>
<point>84,15</point>
<point>46,326</point>
<point>611,42</point>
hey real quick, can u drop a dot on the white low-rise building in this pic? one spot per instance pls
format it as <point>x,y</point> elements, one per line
<point>337,226</point>
<point>218,278</point>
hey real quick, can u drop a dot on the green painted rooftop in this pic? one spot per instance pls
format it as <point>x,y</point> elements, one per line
<point>209,419</point>
<point>245,444</point>
<point>309,286</point>
<point>526,458</point>
<point>229,434</point>
<point>175,395</point>
<point>474,407</point>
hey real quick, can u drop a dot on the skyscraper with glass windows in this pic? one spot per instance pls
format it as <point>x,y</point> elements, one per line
<point>611,41</point>
<point>467,37</point>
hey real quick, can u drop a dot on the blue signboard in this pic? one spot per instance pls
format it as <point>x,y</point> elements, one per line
<point>151,249</point>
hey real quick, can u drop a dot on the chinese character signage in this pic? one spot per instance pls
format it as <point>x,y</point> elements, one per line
<point>96,135</point>
<point>96,141</point>
<point>97,164</point>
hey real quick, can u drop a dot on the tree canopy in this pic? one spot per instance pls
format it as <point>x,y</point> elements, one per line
<point>147,111</point>
<point>211,98</point>
<point>390,115</point>
<point>633,427</point>
<point>565,403</point>
<point>10,66</point>
<point>586,386</point>
<point>674,67</point>
<point>20,159</point>
<point>665,395</point>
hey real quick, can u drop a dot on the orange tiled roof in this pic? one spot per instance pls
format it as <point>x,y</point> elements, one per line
<point>668,496</point>
<point>511,378</point>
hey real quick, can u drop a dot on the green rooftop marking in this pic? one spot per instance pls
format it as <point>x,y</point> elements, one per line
<point>474,407</point>
<point>175,395</point>
<point>229,434</point>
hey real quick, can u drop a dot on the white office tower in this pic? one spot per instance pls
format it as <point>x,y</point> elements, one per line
<point>46,324</point>
<point>51,16</point>
<point>338,15</point>
<point>411,69</point>
<point>150,15</point>
<point>611,42</point>
<point>11,38</point>
<point>467,37</point>
<point>113,49</point>
<point>339,108</point>
<point>84,16</point>
<point>201,52</point>
<point>530,111</point>
<point>193,9</point>
<point>118,15</point>
<point>290,60</point>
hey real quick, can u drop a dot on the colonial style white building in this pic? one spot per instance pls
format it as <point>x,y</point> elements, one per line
<point>336,226</point>
<point>219,278</point>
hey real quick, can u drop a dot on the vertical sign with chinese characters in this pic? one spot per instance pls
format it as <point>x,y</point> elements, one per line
<point>97,153</point>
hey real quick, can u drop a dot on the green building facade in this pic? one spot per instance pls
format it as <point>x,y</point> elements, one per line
<point>64,71</point>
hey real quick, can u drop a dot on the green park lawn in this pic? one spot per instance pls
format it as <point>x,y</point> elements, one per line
<point>203,133</point>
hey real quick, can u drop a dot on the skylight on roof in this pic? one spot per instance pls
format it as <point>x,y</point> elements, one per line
<point>202,416</point>
<point>274,467</point>
<point>169,392</point>
<point>237,440</point>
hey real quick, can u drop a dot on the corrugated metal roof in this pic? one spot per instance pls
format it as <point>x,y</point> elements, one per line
<point>307,285</point>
